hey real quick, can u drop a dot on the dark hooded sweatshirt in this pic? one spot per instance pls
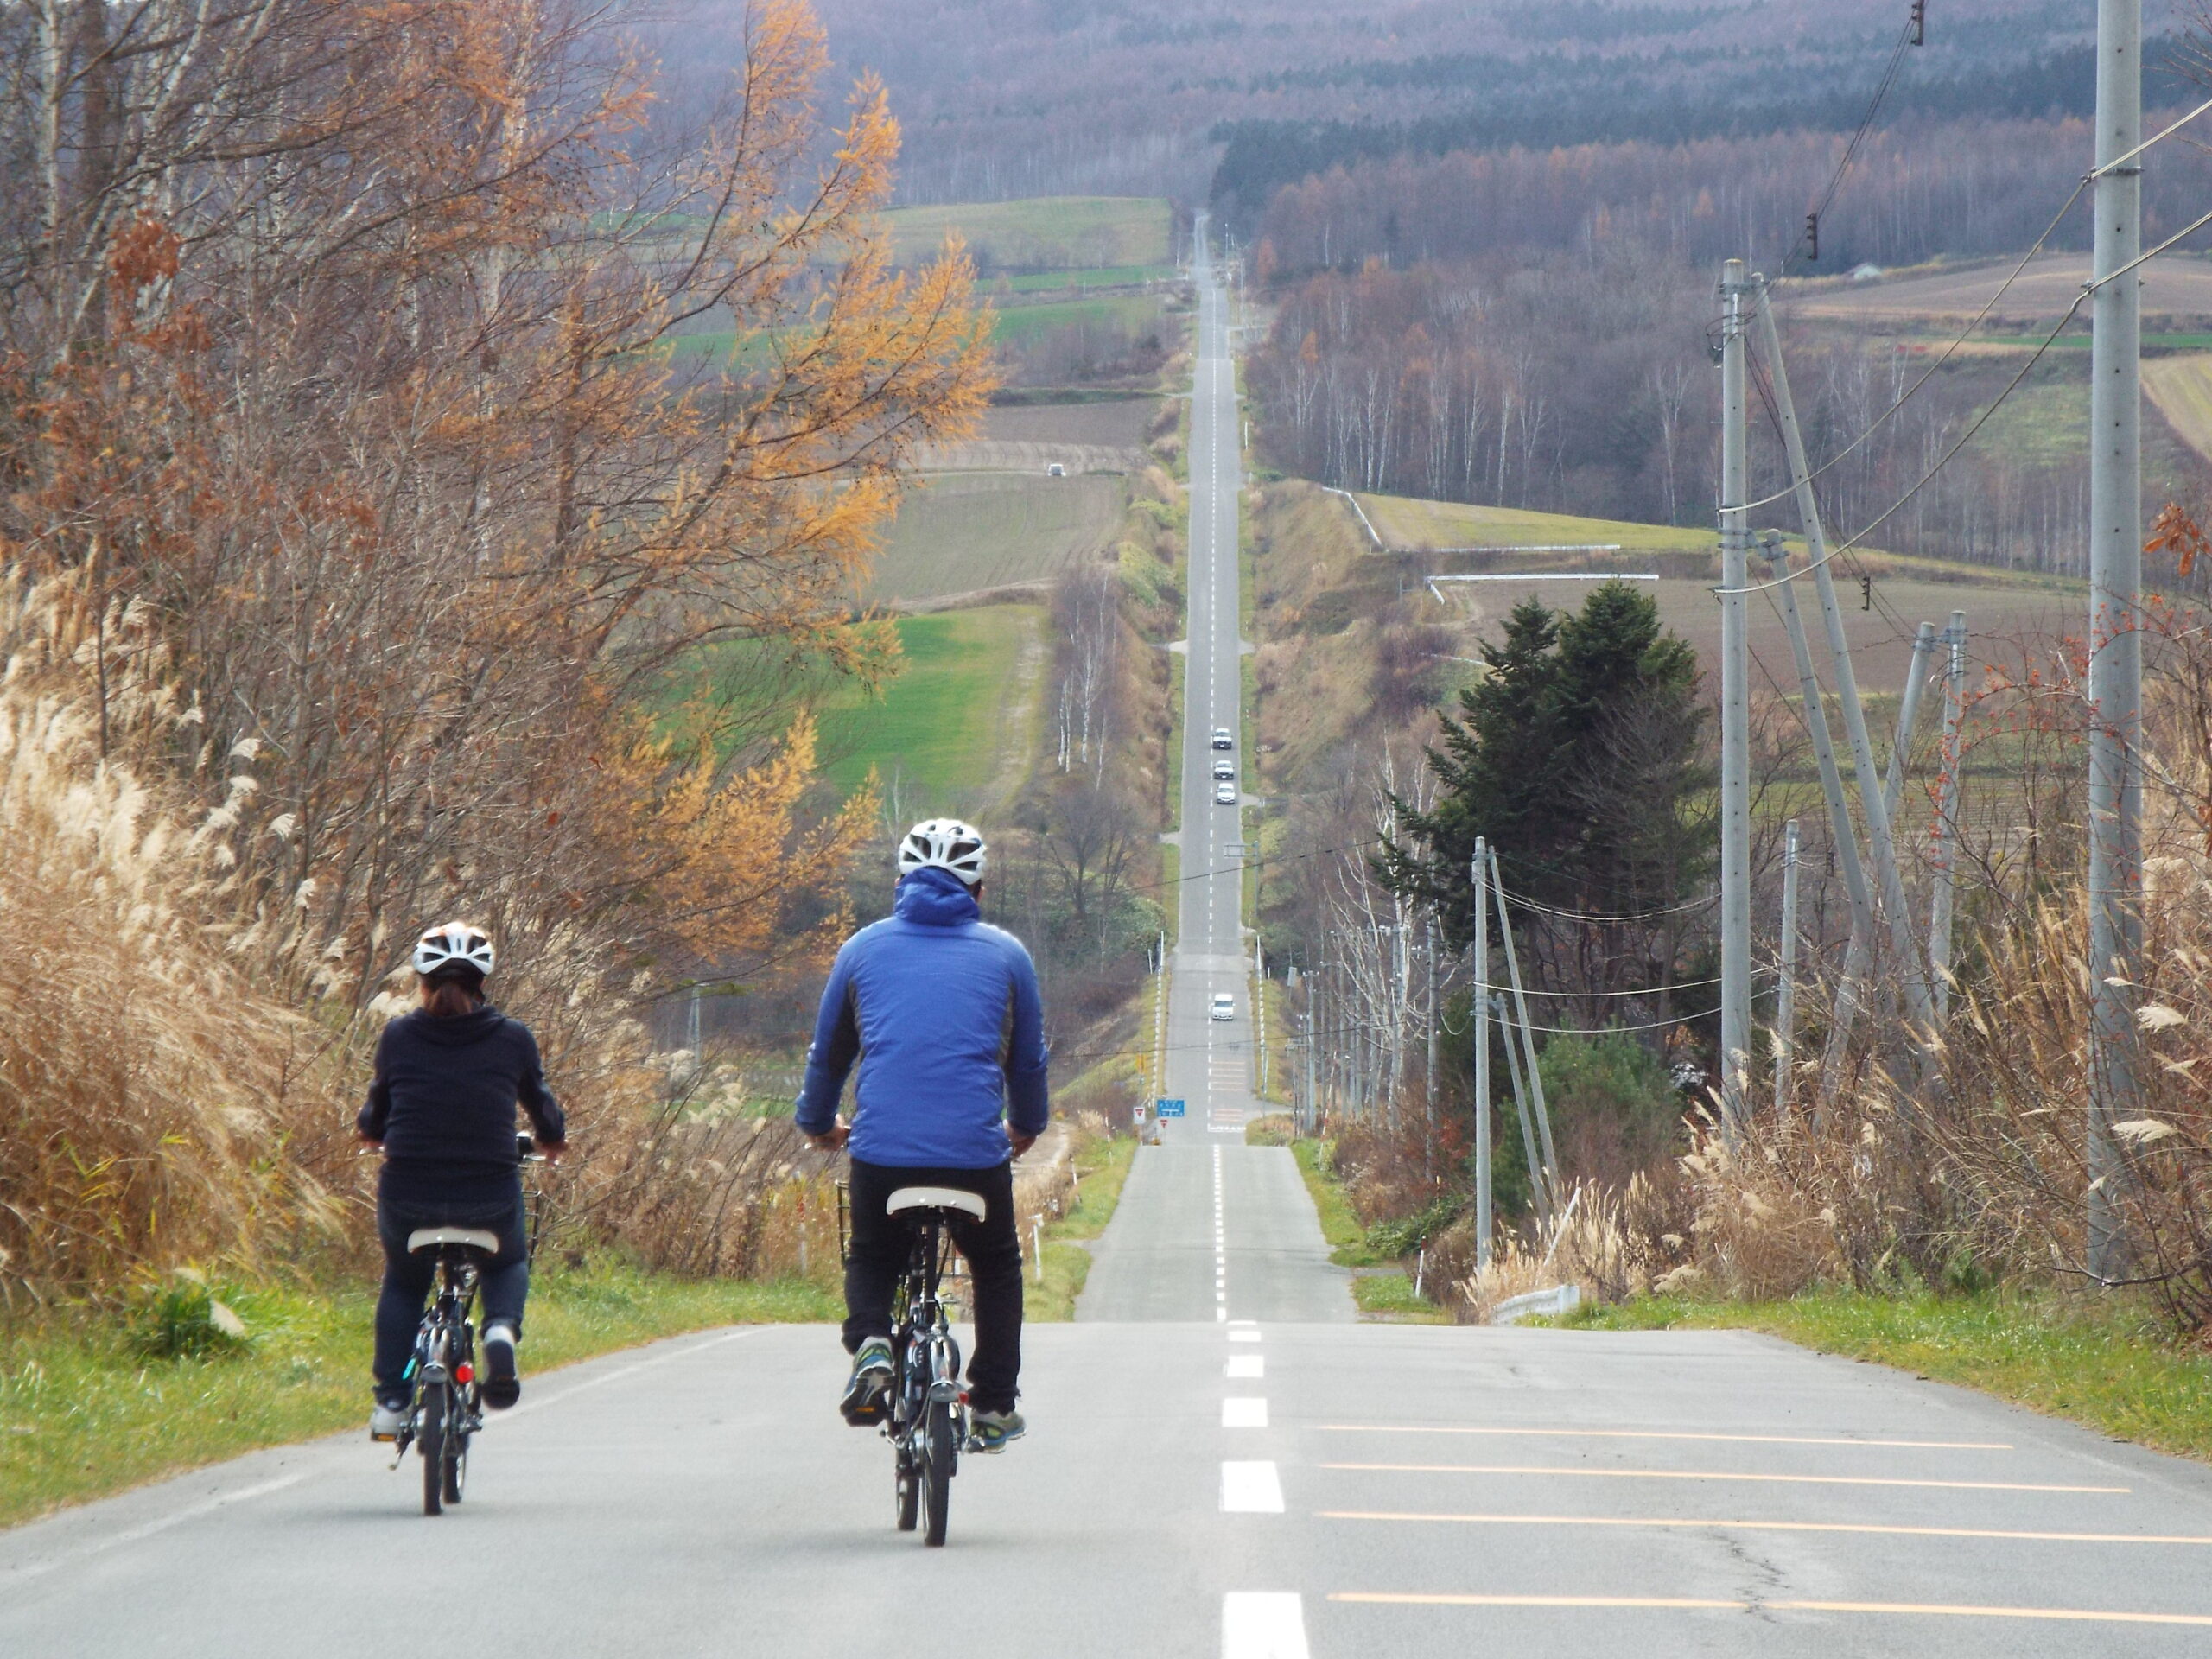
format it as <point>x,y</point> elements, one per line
<point>444,1096</point>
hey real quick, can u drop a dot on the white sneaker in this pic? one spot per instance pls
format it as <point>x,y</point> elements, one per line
<point>502,1383</point>
<point>388,1419</point>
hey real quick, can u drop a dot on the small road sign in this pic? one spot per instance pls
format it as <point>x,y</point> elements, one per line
<point>1171,1109</point>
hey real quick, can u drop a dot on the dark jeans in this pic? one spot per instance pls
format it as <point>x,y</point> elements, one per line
<point>407,1199</point>
<point>877,1256</point>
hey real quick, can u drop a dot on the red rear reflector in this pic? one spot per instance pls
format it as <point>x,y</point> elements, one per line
<point>464,1374</point>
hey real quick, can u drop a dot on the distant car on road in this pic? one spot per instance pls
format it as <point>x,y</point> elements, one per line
<point>1055,470</point>
<point>1224,771</point>
<point>1224,1006</point>
<point>1223,738</point>
<point>1225,795</point>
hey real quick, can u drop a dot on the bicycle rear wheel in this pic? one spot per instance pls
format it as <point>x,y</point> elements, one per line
<point>455,1461</point>
<point>909,1492</point>
<point>430,1438</point>
<point>937,1470</point>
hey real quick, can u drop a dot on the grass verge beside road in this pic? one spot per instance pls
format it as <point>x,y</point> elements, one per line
<point>83,1414</point>
<point>2103,1364</point>
<point>1104,1168</point>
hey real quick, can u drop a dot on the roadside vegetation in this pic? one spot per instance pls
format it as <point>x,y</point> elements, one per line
<point>1101,1165</point>
<point>94,1401</point>
<point>2108,1360</point>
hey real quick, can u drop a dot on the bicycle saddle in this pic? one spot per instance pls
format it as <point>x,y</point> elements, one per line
<point>936,1198</point>
<point>428,1239</point>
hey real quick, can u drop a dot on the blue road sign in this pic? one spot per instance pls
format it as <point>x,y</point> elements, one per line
<point>1171,1109</point>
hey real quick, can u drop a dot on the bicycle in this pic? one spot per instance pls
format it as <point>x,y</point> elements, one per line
<point>928,1422</point>
<point>447,1406</point>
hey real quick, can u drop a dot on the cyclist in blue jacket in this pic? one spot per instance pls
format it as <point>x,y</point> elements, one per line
<point>941,1010</point>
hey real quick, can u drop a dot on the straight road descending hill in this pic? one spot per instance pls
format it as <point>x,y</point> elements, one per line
<point>1250,1476</point>
<point>1209,1228</point>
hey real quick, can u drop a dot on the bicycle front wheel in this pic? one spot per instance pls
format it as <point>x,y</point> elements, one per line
<point>936,1471</point>
<point>431,1440</point>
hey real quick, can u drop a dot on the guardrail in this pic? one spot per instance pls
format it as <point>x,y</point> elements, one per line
<point>1548,1304</point>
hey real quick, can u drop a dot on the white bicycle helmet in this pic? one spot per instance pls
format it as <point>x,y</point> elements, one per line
<point>943,844</point>
<point>452,944</point>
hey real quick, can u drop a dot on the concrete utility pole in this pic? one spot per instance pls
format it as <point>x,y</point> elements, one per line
<point>1871,795</point>
<point>1435,1018</point>
<point>1735,709</point>
<point>1479,1025</point>
<point>1785,996</point>
<point>1841,834</point>
<point>1543,1162</point>
<point>1944,853</point>
<point>2115,644</point>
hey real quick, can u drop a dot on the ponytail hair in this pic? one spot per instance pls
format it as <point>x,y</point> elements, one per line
<point>448,995</point>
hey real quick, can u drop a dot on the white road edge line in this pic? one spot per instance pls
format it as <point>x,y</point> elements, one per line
<point>12,1576</point>
<point>616,1375</point>
<point>1252,1488</point>
<point>1263,1624</point>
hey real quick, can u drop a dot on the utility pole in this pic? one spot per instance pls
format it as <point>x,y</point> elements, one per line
<point>1785,997</point>
<point>1546,1179</point>
<point>1478,1024</point>
<point>1735,709</point>
<point>1871,796</point>
<point>1435,1018</point>
<point>1841,834</point>
<point>2115,644</point>
<point>1944,873</point>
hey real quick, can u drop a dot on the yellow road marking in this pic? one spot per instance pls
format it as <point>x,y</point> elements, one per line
<point>2079,1615</point>
<point>1669,1435</point>
<point>1768,1526</point>
<point>1710,1474</point>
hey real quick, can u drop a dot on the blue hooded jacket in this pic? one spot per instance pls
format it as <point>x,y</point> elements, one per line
<point>941,1009</point>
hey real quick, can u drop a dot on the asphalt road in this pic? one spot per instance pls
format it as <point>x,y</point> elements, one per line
<point>1209,1228</point>
<point>1219,1462</point>
<point>1256,1491</point>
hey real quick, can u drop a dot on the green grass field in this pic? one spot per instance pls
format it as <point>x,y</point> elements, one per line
<point>2098,1361</point>
<point>943,725</point>
<point>1104,1168</point>
<point>1403,522</point>
<point>82,1414</point>
<point>1041,233</point>
<point>1056,281</point>
<point>1016,324</point>
<point>968,531</point>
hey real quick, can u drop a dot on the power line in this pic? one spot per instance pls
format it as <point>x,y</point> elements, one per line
<point>1891,511</point>
<point>1949,351</point>
<point>1604,921</point>
<point>1808,237</point>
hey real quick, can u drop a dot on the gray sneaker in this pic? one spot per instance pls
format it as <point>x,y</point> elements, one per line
<point>390,1417</point>
<point>868,1394</point>
<point>989,1431</point>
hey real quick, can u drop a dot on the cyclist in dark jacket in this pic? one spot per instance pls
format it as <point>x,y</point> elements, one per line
<point>441,1109</point>
<point>941,1010</point>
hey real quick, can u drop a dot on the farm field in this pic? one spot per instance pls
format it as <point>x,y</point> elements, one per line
<point>1041,233</point>
<point>966,532</point>
<point>1048,281</point>
<point>2182,389</point>
<point>2007,615</point>
<point>2176,287</point>
<point>1137,312</point>
<point>956,717</point>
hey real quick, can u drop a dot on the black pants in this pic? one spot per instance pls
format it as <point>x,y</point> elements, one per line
<point>877,1256</point>
<point>407,1199</point>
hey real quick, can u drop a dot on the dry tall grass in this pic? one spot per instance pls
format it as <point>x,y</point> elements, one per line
<point>151,1103</point>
